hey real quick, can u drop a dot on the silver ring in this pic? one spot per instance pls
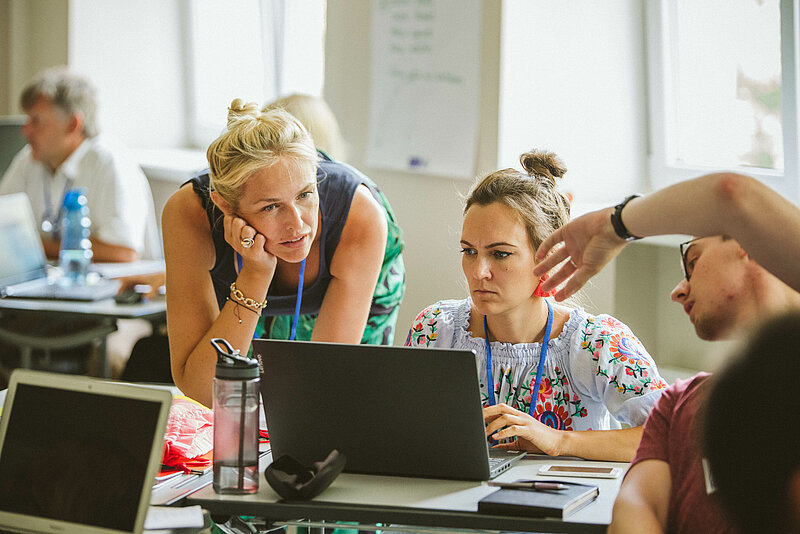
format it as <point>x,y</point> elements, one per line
<point>573,263</point>
<point>247,242</point>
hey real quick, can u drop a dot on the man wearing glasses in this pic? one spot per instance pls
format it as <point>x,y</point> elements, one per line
<point>724,291</point>
<point>667,487</point>
<point>729,291</point>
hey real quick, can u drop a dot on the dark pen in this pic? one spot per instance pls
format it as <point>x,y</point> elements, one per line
<point>533,485</point>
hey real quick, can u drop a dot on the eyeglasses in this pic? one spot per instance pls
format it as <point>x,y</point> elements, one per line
<point>684,247</point>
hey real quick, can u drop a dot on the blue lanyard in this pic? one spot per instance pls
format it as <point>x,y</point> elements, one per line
<point>51,223</point>
<point>539,369</point>
<point>299,300</point>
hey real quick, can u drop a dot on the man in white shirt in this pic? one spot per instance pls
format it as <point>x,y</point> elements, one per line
<point>65,151</point>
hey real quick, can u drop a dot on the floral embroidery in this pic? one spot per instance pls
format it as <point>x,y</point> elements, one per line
<point>593,354</point>
<point>545,390</point>
<point>612,323</point>
<point>507,377</point>
<point>424,331</point>
<point>624,351</point>
<point>553,416</point>
<point>578,410</point>
<point>523,403</point>
<point>593,346</point>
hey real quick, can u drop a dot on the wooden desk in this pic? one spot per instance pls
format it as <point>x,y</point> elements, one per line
<point>445,504</point>
<point>105,312</point>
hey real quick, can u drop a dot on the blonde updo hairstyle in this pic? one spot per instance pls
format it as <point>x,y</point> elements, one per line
<point>255,140</point>
<point>532,195</point>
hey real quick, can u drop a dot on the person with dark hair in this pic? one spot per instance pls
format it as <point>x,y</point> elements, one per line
<point>753,447</point>
<point>724,292</point>
<point>545,369</point>
<point>740,268</point>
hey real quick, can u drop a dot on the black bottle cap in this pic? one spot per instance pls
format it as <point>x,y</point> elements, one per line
<point>231,365</point>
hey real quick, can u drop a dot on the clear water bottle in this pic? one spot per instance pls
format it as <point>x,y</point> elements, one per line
<point>76,248</point>
<point>236,394</point>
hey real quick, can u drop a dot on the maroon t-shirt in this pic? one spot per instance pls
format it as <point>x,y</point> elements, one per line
<point>671,434</point>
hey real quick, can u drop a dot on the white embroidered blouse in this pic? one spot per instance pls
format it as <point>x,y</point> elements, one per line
<point>597,374</point>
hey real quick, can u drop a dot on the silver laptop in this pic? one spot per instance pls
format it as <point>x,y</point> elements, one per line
<point>78,454</point>
<point>390,410</point>
<point>23,266</point>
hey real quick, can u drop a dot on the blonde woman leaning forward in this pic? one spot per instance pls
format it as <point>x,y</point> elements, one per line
<point>551,369</point>
<point>275,223</point>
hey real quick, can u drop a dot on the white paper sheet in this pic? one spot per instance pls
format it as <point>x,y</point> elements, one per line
<point>166,517</point>
<point>425,86</point>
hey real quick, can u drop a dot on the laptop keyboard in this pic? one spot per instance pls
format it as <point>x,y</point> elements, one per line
<point>495,462</point>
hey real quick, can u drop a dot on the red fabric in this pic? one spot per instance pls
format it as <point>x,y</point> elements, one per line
<point>538,291</point>
<point>188,465</point>
<point>189,437</point>
<point>672,434</point>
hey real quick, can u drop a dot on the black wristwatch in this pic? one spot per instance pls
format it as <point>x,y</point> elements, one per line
<point>616,220</point>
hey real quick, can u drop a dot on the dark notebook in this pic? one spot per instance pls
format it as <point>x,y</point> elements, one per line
<point>539,503</point>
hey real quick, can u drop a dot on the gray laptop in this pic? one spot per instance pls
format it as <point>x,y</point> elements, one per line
<point>23,266</point>
<point>78,454</point>
<point>390,410</point>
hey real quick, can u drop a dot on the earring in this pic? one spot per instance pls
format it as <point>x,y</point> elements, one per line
<point>538,291</point>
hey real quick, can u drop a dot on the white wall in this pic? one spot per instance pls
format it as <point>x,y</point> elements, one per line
<point>134,52</point>
<point>573,81</point>
<point>33,36</point>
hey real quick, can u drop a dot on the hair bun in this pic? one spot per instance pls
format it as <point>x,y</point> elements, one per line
<point>239,110</point>
<point>542,163</point>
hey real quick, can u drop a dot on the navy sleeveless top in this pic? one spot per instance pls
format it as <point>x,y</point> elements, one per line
<point>336,183</point>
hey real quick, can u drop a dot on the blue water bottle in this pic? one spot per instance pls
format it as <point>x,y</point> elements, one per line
<point>76,248</point>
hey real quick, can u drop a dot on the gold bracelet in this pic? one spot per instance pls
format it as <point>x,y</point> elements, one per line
<point>238,296</point>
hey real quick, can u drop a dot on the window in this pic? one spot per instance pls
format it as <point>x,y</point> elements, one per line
<point>718,89</point>
<point>253,50</point>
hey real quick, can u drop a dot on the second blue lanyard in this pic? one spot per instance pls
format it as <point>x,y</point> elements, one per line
<point>299,300</point>
<point>539,369</point>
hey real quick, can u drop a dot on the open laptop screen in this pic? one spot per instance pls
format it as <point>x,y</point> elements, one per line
<point>389,410</point>
<point>21,253</point>
<point>76,456</point>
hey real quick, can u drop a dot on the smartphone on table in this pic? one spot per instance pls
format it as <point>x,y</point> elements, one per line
<point>580,471</point>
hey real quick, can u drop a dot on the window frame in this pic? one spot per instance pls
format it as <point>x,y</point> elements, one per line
<point>663,169</point>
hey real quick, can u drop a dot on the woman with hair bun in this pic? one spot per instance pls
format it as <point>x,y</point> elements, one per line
<point>275,226</point>
<point>551,368</point>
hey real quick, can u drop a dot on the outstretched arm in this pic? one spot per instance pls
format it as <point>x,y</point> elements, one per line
<point>103,251</point>
<point>643,500</point>
<point>762,221</point>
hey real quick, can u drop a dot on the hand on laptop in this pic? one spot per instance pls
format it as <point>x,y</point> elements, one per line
<point>504,422</point>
